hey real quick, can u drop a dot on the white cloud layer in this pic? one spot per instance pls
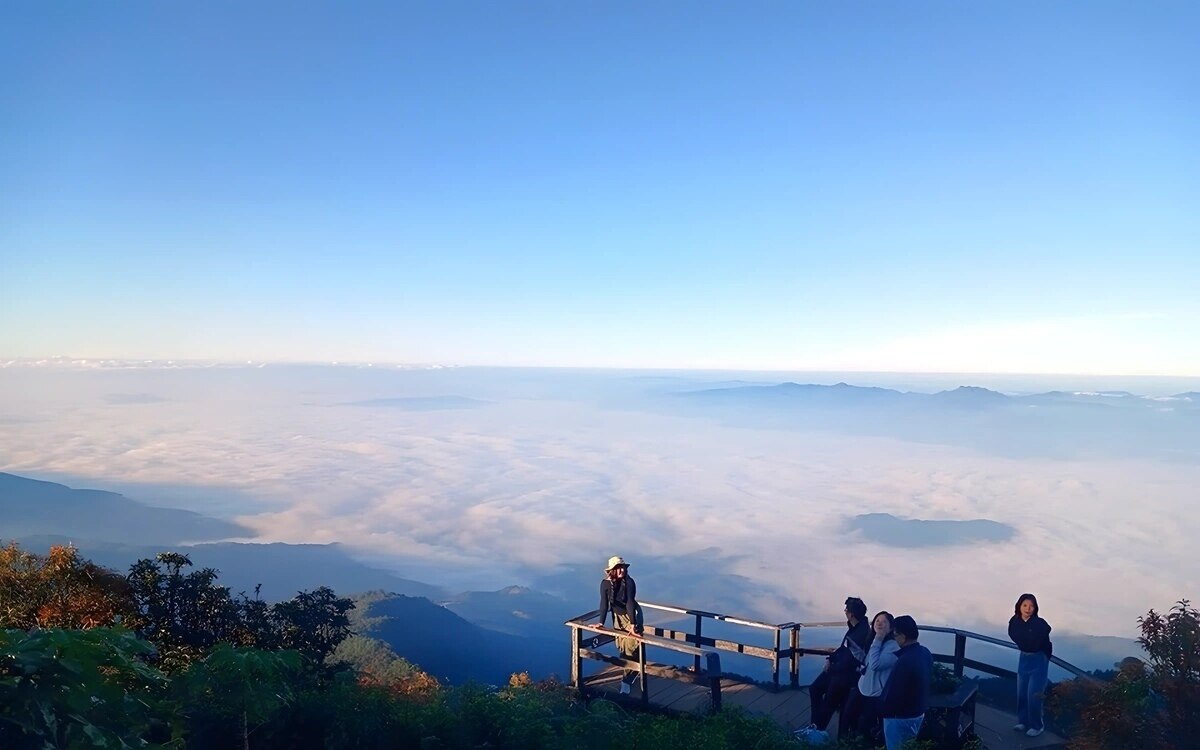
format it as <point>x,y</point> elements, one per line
<point>496,495</point>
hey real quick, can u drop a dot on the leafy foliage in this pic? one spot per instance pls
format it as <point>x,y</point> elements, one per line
<point>943,680</point>
<point>59,590</point>
<point>88,689</point>
<point>373,660</point>
<point>188,613</point>
<point>313,623</point>
<point>79,689</point>
<point>184,614</point>
<point>238,689</point>
<point>1152,704</point>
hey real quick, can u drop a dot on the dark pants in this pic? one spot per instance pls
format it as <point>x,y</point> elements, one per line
<point>828,693</point>
<point>861,716</point>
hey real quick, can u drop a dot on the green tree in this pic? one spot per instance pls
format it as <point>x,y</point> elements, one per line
<point>240,687</point>
<point>59,590</point>
<point>1152,704</point>
<point>255,622</point>
<point>79,689</point>
<point>370,657</point>
<point>313,622</point>
<point>184,614</point>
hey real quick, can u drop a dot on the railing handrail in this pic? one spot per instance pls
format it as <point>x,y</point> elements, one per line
<point>714,616</point>
<point>793,651</point>
<point>710,656</point>
<point>960,633</point>
<point>666,643</point>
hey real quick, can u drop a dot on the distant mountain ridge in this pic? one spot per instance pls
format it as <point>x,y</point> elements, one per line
<point>30,507</point>
<point>515,610</point>
<point>448,646</point>
<point>1053,424</point>
<point>281,569</point>
<point>844,394</point>
<point>115,532</point>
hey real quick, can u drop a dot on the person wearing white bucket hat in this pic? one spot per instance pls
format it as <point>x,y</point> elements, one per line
<point>618,593</point>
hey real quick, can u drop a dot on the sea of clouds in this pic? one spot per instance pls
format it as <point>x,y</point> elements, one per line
<point>476,478</point>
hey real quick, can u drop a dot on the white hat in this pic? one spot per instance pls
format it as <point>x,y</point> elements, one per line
<point>615,561</point>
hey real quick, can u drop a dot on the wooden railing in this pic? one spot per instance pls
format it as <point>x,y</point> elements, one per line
<point>786,646</point>
<point>583,647</point>
<point>958,660</point>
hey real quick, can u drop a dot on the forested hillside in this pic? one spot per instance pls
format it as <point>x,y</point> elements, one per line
<point>166,657</point>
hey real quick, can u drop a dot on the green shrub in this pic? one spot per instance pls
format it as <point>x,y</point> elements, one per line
<point>79,689</point>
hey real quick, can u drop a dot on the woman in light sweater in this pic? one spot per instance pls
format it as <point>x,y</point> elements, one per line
<point>863,716</point>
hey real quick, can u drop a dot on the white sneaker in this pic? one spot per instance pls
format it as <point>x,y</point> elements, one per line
<point>1034,732</point>
<point>624,688</point>
<point>1019,727</point>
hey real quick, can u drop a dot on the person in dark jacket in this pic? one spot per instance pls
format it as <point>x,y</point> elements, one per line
<point>828,693</point>
<point>1032,635</point>
<point>618,594</point>
<point>905,697</point>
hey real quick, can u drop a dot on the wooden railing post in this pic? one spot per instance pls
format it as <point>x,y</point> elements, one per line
<point>960,653</point>
<point>642,673</point>
<point>794,667</point>
<point>714,678</point>
<point>775,662</point>
<point>576,659</point>
<point>696,659</point>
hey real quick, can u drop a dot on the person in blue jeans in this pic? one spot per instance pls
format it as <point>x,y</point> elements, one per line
<point>905,696</point>
<point>1032,635</point>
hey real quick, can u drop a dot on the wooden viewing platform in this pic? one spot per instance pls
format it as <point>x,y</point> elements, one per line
<point>705,686</point>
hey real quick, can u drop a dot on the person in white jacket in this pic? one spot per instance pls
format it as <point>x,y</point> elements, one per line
<point>862,714</point>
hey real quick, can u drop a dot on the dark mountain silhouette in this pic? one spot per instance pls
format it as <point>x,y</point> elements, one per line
<point>29,507</point>
<point>1056,424</point>
<point>885,528</point>
<point>845,396</point>
<point>970,396</point>
<point>282,569</point>
<point>447,646</point>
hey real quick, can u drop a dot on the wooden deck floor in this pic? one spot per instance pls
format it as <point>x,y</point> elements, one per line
<point>790,708</point>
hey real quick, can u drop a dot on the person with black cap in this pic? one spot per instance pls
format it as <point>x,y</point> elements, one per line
<point>827,694</point>
<point>618,593</point>
<point>905,696</point>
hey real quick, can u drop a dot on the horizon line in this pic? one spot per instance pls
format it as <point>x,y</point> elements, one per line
<point>116,363</point>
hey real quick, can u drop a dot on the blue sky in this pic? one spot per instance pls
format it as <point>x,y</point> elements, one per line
<point>1000,187</point>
